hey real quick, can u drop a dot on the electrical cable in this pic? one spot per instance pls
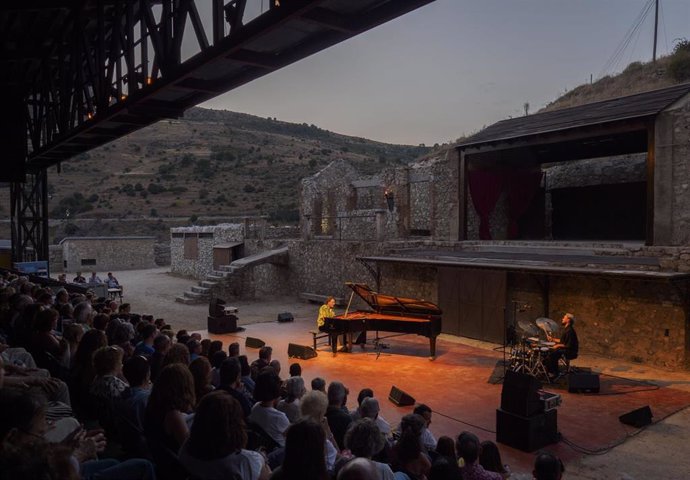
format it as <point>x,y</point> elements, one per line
<point>620,49</point>
<point>463,422</point>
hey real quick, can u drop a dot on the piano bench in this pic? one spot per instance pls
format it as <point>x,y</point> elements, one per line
<point>318,335</point>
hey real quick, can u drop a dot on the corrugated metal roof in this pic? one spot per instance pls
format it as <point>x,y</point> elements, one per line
<point>636,106</point>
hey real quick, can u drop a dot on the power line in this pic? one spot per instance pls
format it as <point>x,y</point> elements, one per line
<point>630,34</point>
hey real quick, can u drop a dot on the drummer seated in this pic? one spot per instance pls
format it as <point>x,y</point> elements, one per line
<point>567,346</point>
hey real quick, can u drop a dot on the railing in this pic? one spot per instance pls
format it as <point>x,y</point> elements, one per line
<point>363,226</point>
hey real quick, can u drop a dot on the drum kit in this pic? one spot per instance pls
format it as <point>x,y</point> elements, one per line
<point>528,354</point>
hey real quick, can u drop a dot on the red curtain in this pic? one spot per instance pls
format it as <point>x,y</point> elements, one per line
<point>521,186</point>
<point>485,188</point>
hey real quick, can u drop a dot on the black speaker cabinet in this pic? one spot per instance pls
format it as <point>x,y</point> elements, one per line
<point>637,418</point>
<point>252,342</point>
<point>300,351</point>
<point>224,324</point>
<point>400,398</point>
<point>527,433</point>
<point>581,382</point>
<point>520,394</point>
<point>285,317</point>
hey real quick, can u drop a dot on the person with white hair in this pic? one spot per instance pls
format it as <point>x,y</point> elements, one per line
<point>295,389</point>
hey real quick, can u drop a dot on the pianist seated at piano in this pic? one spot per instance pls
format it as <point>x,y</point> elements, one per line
<point>327,311</point>
<point>387,313</point>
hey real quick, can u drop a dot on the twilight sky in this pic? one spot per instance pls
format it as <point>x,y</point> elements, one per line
<point>454,66</point>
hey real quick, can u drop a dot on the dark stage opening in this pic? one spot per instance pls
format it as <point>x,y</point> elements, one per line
<point>600,212</point>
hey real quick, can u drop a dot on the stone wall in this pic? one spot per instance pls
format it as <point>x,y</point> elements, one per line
<point>633,320</point>
<point>107,253</point>
<point>56,262</point>
<point>672,175</point>
<point>206,237</point>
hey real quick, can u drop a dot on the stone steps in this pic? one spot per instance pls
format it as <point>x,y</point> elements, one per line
<point>208,283</point>
<point>201,289</point>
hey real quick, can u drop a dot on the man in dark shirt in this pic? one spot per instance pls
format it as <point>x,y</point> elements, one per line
<point>567,346</point>
<point>338,417</point>
<point>231,382</point>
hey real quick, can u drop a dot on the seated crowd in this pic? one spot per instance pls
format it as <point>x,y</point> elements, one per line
<point>90,390</point>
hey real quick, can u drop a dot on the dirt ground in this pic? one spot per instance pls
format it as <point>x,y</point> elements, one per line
<point>658,452</point>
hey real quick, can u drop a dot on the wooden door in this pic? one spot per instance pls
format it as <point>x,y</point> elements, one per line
<point>473,302</point>
<point>221,256</point>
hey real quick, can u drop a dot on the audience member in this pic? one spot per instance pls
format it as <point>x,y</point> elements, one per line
<point>234,349</point>
<point>216,361</point>
<point>247,379</point>
<point>443,468</point>
<point>231,382</point>
<point>445,447</point>
<point>264,413</point>
<point>370,408</point>
<point>170,403</point>
<point>161,346</point>
<point>338,419</point>
<point>295,370</point>
<point>201,372</point>
<point>194,347</point>
<point>364,439</point>
<point>548,466</point>
<point>149,332</point>
<point>263,361</point>
<point>215,449</point>
<point>360,469</point>
<point>205,347</point>
<point>107,386</point>
<point>178,353</point>
<point>428,440</point>
<point>214,346</point>
<point>295,390</point>
<point>304,453</point>
<point>410,460</point>
<point>131,406</point>
<point>490,459</point>
<point>318,384</point>
<point>469,449</point>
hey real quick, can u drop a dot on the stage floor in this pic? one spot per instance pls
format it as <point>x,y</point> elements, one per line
<point>456,386</point>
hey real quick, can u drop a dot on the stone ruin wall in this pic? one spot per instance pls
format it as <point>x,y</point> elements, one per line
<point>641,322</point>
<point>203,265</point>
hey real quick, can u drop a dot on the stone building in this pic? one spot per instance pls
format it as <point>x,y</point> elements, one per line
<point>105,253</point>
<point>581,210</point>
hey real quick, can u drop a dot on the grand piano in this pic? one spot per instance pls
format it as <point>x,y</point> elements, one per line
<point>388,314</point>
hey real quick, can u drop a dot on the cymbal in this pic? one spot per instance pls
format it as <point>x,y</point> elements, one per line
<point>528,327</point>
<point>546,324</point>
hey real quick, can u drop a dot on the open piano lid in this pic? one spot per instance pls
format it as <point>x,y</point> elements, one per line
<point>388,303</point>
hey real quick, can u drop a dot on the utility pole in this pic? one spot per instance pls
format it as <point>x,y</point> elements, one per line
<point>656,28</point>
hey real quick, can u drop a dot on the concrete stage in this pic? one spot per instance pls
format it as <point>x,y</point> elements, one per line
<point>456,387</point>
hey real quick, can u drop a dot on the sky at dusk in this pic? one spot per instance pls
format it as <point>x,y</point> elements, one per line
<point>454,66</point>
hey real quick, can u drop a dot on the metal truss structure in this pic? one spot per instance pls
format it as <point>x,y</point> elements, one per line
<point>91,71</point>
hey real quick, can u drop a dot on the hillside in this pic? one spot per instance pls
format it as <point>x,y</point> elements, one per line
<point>209,163</point>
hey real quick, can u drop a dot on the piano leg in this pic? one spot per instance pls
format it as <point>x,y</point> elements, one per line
<point>432,347</point>
<point>334,343</point>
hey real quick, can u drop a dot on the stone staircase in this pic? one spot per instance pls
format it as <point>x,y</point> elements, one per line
<point>202,292</point>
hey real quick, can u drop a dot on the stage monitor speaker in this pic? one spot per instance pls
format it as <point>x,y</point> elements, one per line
<point>637,418</point>
<point>285,317</point>
<point>527,433</point>
<point>300,351</point>
<point>225,324</point>
<point>252,342</point>
<point>582,382</point>
<point>520,394</point>
<point>216,307</point>
<point>400,398</point>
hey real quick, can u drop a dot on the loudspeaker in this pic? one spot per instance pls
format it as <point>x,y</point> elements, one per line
<point>400,398</point>
<point>581,382</point>
<point>226,324</point>
<point>637,418</point>
<point>216,307</point>
<point>285,317</point>
<point>300,351</point>
<point>520,394</point>
<point>252,342</point>
<point>527,433</point>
